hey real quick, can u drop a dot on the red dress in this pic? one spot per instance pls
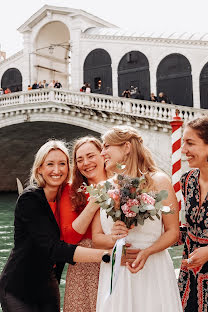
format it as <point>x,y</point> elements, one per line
<point>82,278</point>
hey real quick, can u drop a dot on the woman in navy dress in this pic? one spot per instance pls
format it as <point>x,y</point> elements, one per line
<point>193,278</point>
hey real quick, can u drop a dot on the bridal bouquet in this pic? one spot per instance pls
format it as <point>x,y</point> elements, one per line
<point>123,198</point>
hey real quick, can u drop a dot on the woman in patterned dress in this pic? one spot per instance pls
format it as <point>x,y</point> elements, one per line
<point>76,214</point>
<point>193,278</point>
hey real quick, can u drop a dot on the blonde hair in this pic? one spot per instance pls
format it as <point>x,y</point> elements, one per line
<point>36,178</point>
<point>139,161</point>
<point>79,199</point>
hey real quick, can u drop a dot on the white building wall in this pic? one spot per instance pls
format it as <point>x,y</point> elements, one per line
<point>155,53</point>
<point>155,49</point>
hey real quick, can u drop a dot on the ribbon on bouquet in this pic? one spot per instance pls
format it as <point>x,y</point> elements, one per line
<point>116,262</point>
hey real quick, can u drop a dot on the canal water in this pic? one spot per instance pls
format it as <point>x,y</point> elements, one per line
<point>7,205</point>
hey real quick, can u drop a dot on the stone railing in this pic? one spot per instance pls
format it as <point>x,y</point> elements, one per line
<point>137,108</point>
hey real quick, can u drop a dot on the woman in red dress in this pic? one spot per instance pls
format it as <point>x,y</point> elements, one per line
<point>76,214</point>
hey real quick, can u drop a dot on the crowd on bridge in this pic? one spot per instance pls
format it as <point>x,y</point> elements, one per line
<point>85,212</point>
<point>135,93</point>
<point>44,84</point>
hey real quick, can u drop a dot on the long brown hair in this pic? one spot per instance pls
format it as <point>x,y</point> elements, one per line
<point>139,161</point>
<point>79,199</point>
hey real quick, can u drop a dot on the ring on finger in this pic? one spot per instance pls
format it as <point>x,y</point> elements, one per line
<point>189,260</point>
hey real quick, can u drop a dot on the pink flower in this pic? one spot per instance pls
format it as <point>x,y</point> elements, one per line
<point>132,202</point>
<point>115,195</point>
<point>127,211</point>
<point>147,199</point>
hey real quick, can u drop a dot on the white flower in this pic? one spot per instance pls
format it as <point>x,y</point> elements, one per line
<point>108,202</point>
<point>149,207</point>
<point>165,209</point>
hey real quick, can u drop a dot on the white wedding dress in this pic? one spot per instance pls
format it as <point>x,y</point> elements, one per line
<point>152,289</point>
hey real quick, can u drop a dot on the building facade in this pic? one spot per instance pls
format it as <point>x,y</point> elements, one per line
<point>73,47</point>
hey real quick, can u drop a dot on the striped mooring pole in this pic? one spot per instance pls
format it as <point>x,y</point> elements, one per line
<point>176,125</point>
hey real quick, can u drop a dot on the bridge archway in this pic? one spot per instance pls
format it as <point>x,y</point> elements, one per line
<point>50,59</point>
<point>174,78</point>
<point>12,79</point>
<point>20,142</point>
<point>98,71</point>
<point>133,70</point>
<point>204,87</point>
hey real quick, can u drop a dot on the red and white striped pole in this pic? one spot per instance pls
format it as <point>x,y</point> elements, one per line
<point>176,125</point>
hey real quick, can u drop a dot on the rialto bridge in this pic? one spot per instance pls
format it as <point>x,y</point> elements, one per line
<point>73,47</point>
<point>28,119</point>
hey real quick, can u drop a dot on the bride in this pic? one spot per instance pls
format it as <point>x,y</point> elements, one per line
<point>153,287</point>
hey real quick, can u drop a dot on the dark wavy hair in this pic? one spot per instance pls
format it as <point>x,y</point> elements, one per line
<point>200,125</point>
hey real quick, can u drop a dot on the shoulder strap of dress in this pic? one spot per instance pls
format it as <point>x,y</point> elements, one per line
<point>186,181</point>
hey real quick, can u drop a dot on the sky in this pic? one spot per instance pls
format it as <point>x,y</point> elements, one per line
<point>160,16</point>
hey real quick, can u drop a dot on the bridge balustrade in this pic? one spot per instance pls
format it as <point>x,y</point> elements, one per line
<point>105,103</point>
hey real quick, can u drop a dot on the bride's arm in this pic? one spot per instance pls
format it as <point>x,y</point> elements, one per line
<point>170,221</point>
<point>106,241</point>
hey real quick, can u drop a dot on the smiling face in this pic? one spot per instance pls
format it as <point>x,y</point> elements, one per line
<point>54,169</point>
<point>113,154</point>
<point>90,163</point>
<point>194,148</point>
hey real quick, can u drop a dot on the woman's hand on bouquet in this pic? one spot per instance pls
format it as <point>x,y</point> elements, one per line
<point>92,205</point>
<point>197,258</point>
<point>119,230</point>
<point>139,263</point>
<point>129,256</point>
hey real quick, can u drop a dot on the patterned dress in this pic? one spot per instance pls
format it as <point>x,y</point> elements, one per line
<point>193,283</point>
<point>82,278</point>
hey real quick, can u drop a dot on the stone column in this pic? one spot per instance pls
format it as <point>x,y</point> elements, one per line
<point>26,75</point>
<point>196,89</point>
<point>76,70</point>
<point>115,77</point>
<point>153,79</point>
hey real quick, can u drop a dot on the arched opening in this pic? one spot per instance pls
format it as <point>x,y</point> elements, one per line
<point>204,87</point>
<point>175,80</point>
<point>133,71</point>
<point>50,59</point>
<point>12,79</point>
<point>35,134</point>
<point>98,71</point>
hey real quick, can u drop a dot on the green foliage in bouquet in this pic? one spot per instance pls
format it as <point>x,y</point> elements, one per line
<point>123,198</point>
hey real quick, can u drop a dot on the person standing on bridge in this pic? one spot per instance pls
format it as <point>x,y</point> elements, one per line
<point>193,277</point>
<point>29,281</point>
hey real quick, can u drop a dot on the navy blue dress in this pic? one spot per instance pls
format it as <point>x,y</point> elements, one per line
<point>193,283</point>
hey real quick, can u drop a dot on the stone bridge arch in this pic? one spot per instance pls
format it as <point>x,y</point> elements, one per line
<point>20,142</point>
<point>22,132</point>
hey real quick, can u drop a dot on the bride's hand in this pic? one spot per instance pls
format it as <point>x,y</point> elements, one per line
<point>119,230</point>
<point>139,263</point>
<point>130,255</point>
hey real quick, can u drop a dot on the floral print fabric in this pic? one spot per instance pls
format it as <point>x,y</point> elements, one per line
<point>193,283</point>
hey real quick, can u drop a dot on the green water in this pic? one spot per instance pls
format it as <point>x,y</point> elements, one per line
<point>7,205</point>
